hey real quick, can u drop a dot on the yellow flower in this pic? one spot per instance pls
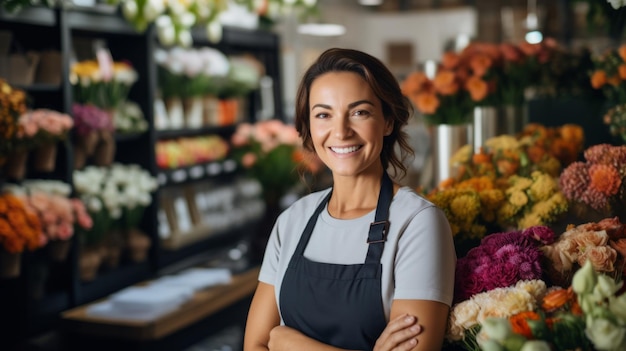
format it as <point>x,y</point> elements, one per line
<point>518,199</point>
<point>543,186</point>
<point>529,220</point>
<point>463,155</point>
<point>503,142</point>
<point>519,183</point>
<point>465,207</point>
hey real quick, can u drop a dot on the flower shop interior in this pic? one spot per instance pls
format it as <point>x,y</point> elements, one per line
<point>147,147</point>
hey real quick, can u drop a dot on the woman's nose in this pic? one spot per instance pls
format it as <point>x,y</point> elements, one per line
<point>342,128</point>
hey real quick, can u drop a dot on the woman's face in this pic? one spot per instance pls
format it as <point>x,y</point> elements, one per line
<point>347,123</point>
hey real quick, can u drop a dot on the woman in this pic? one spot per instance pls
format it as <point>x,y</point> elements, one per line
<point>366,264</point>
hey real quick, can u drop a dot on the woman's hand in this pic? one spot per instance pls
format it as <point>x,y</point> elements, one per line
<point>399,335</point>
<point>284,338</point>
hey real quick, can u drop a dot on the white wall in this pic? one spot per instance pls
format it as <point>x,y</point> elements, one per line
<point>428,31</point>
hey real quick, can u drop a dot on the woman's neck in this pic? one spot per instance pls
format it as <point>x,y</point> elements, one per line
<point>354,197</point>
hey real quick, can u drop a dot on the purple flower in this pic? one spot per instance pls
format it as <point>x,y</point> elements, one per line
<point>89,117</point>
<point>542,234</point>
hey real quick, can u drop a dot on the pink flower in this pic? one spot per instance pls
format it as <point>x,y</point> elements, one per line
<point>248,160</point>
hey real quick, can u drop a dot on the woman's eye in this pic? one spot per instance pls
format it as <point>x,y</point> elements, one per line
<point>361,113</point>
<point>321,115</point>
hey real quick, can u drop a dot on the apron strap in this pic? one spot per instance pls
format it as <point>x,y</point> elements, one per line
<point>378,229</point>
<point>308,230</point>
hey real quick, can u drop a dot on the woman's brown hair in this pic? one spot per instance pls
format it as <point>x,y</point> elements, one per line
<point>396,107</point>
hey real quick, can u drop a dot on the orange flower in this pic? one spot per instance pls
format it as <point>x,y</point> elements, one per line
<point>19,229</point>
<point>445,82</point>
<point>477,88</point>
<point>414,83</point>
<point>535,153</point>
<point>480,64</point>
<point>427,103</point>
<point>622,52</point>
<point>519,323</point>
<point>605,179</point>
<point>598,79</point>
<point>622,71</point>
<point>450,60</point>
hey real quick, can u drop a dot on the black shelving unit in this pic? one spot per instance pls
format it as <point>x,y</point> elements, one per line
<point>26,314</point>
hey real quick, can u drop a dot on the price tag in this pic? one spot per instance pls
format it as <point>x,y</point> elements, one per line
<point>183,216</point>
<point>179,175</point>
<point>230,165</point>
<point>213,168</point>
<point>164,224</point>
<point>196,172</point>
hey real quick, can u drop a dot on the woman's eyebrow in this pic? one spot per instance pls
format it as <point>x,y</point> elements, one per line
<point>351,105</point>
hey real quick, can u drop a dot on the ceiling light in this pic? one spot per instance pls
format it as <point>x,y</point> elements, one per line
<point>370,2</point>
<point>322,29</point>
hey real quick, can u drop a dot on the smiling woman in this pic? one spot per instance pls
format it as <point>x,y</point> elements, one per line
<point>386,281</point>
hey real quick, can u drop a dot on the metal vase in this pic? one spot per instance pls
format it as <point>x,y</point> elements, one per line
<point>485,124</point>
<point>514,118</point>
<point>447,139</point>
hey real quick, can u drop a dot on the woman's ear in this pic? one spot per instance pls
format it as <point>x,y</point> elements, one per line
<point>388,127</point>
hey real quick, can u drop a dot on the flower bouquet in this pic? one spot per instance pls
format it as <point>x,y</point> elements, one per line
<point>59,214</point>
<point>41,130</point>
<point>189,82</point>
<point>609,74</point>
<point>602,243</point>
<point>20,230</point>
<point>586,316</point>
<point>615,118</point>
<point>13,102</point>
<point>595,187</point>
<point>106,88</point>
<point>271,152</point>
<point>90,123</point>
<point>462,81</point>
<point>470,207</point>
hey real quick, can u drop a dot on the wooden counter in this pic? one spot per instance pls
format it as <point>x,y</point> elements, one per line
<point>202,304</point>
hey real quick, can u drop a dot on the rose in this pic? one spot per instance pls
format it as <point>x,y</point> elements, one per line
<point>602,258</point>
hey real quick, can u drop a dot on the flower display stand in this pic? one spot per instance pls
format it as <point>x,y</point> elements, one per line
<point>10,264</point>
<point>59,249</point>
<point>44,157</point>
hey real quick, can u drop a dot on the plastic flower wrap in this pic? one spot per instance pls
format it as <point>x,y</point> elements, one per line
<point>98,86</point>
<point>501,260</point>
<point>271,152</point>
<point>12,106</point>
<point>597,184</point>
<point>601,243</point>
<point>532,201</point>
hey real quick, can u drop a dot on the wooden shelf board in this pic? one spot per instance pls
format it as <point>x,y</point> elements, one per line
<point>202,304</point>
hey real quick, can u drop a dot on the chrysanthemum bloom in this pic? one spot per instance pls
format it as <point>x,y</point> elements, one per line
<point>605,179</point>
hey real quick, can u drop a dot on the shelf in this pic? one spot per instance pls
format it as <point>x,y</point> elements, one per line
<point>39,88</point>
<point>203,304</point>
<point>239,37</point>
<point>109,281</point>
<point>123,137</point>
<point>207,170</point>
<point>188,132</point>
<point>38,16</point>
<point>100,22</point>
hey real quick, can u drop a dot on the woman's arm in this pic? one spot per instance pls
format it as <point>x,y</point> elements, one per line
<point>433,319</point>
<point>399,335</point>
<point>263,316</point>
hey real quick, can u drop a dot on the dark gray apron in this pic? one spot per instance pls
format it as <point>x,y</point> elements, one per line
<point>336,304</point>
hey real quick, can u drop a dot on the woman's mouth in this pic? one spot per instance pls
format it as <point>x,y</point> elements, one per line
<point>345,150</point>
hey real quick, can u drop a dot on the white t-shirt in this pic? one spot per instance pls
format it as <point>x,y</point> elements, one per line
<point>418,260</point>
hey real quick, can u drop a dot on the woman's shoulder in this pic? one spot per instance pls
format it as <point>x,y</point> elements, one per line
<point>306,204</point>
<point>408,198</point>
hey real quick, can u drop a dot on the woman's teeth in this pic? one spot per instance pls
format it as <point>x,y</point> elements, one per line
<point>345,150</point>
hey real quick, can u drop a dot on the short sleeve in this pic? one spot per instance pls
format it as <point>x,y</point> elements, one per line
<point>426,260</point>
<point>269,266</point>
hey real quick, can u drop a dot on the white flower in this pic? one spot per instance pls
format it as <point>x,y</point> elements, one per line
<point>214,31</point>
<point>129,10</point>
<point>584,279</point>
<point>605,335</point>
<point>535,345</point>
<point>494,329</point>
<point>616,3</point>
<point>618,307</point>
